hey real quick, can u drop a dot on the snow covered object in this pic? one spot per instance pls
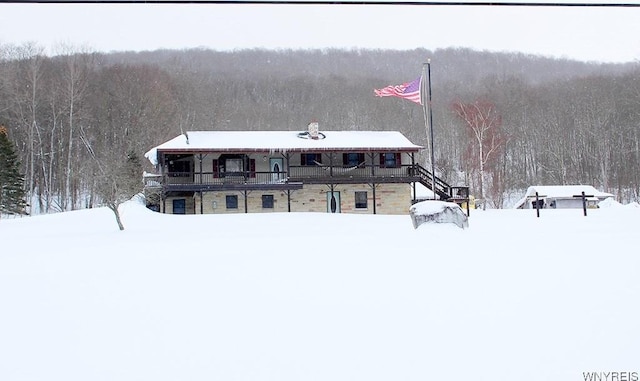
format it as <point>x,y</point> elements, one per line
<point>439,212</point>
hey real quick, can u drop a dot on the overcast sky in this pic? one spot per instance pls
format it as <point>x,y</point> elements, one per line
<point>606,34</point>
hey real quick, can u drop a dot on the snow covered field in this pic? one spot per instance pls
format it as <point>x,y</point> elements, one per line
<point>291,297</point>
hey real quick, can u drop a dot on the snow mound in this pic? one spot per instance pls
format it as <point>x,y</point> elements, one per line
<point>439,212</point>
<point>609,203</point>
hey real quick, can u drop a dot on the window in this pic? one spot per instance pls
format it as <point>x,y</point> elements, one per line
<point>234,165</point>
<point>361,200</point>
<point>310,158</point>
<point>390,160</point>
<point>267,201</point>
<point>232,202</point>
<point>179,168</point>
<point>352,159</point>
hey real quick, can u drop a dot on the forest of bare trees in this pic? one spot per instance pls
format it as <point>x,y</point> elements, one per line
<point>502,121</point>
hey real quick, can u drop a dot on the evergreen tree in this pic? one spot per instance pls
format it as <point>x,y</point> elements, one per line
<point>11,181</point>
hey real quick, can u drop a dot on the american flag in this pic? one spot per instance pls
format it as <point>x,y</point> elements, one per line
<point>408,90</point>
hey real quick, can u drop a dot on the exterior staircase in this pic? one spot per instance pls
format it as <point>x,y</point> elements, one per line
<point>444,191</point>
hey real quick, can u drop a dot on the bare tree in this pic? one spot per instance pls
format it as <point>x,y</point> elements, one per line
<point>78,63</point>
<point>483,123</point>
<point>120,177</point>
<point>34,58</point>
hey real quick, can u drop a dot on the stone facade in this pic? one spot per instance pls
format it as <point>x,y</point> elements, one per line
<point>189,203</point>
<point>390,199</point>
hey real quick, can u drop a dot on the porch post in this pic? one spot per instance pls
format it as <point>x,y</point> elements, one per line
<point>200,172</point>
<point>286,156</point>
<point>413,172</point>
<point>373,164</point>
<point>331,167</point>
<point>374,198</point>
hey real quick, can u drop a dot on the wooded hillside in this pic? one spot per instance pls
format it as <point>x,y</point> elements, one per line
<point>502,121</point>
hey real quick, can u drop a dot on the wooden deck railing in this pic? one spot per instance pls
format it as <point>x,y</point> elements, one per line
<point>337,173</point>
<point>314,174</point>
<point>210,178</point>
<point>298,175</point>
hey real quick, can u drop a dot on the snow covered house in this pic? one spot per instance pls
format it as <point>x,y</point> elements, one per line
<point>561,197</point>
<point>202,172</point>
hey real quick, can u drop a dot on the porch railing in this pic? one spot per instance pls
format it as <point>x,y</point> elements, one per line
<point>295,174</point>
<point>298,175</point>
<point>211,178</point>
<point>357,172</point>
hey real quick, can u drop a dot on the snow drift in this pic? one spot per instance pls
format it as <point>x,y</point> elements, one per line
<point>301,296</point>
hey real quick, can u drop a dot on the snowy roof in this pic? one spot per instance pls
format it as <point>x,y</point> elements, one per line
<point>561,191</point>
<point>282,141</point>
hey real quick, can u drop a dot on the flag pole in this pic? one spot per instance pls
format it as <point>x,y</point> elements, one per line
<point>426,72</point>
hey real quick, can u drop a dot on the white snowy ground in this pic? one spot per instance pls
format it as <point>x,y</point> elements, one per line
<point>292,297</point>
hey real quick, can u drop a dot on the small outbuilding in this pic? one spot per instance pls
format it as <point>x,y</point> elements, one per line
<point>561,197</point>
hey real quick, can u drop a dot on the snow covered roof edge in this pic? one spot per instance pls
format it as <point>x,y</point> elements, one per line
<point>278,141</point>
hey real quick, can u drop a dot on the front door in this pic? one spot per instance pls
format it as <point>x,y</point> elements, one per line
<point>276,164</point>
<point>179,206</point>
<point>333,202</point>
